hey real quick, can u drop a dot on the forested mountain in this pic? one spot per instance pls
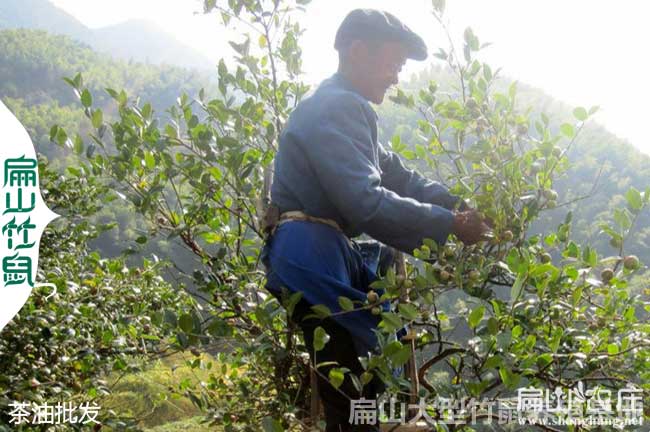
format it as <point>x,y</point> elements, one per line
<point>33,64</point>
<point>135,39</point>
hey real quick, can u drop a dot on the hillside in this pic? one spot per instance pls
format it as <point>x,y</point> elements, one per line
<point>144,41</point>
<point>135,39</point>
<point>33,64</point>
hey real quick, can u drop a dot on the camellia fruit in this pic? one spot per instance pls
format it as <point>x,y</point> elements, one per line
<point>444,275</point>
<point>372,296</point>
<point>606,275</point>
<point>376,310</point>
<point>546,257</point>
<point>631,262</point>
<point>474,275</point>
<point>507,236</point>
<point>615,243</point>
<point>550,194</point>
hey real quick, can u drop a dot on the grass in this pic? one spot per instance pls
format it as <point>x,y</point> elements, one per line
<point>192,424</point>
<point>146,396</point>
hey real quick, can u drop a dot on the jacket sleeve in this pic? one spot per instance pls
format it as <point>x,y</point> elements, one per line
<point>395,176</point>
<point>344,158</point>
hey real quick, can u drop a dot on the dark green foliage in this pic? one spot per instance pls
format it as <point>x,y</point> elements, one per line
<point>103,316</point>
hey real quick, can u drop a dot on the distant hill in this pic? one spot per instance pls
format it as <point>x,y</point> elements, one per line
<point>32,66</point>
<point>144,41</point>
<point>139,40</point>
<point>41,14</point>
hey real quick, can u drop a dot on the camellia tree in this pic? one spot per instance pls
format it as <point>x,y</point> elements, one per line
<point>540,310</point>
<point>544,311</point>
<point>104,315</point>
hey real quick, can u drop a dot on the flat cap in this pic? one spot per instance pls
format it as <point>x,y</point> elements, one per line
<point>372,24</point>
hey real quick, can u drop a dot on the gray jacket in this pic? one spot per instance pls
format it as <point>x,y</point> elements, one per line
<point>330,165</point>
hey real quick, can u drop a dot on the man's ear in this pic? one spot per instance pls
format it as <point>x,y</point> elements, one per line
<point>357,50</point>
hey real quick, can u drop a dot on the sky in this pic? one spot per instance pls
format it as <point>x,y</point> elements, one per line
<point>582,52</point>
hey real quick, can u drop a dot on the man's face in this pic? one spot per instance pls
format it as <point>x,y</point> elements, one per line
<point>379,67</point>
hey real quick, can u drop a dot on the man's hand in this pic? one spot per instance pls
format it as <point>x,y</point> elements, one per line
<point>469,226</point>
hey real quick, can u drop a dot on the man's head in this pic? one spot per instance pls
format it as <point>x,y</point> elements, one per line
<point>373,46</point>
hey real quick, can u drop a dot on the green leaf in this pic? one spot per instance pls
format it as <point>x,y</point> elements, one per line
<point>346,303</point>
<point>271,425</point>
<point>78,146</point>
<point>409,154</point>
<point>336,377</point>
<point>391,321</point>
<point>634,199</point>
<point>114,94</point>
<point>149,160</point>
<point>441,54</point>
<point>554,343</point>
<point>320,338</point>
<point>401,356</point>
<point>492,326</point>
<point>90,150</point>
<point>567,130</point>
<point>86,98</point>
<point>509,378</point>
<point>544,359</point>
<point>408,311</point>
<point>517,287</point>
<point>366,377</point>
<point>580,113</point>
<point>78,80</point>
<point>321,310</point>
<point>476,316</point>
<point>622,218</point>
<point>97,118</point>
<point>185,322</point>
<point>487,72</point>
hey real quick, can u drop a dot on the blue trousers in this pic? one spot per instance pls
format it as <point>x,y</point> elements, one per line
<point>320,262</point>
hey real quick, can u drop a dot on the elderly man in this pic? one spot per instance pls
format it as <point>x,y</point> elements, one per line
<point>333,181</point>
